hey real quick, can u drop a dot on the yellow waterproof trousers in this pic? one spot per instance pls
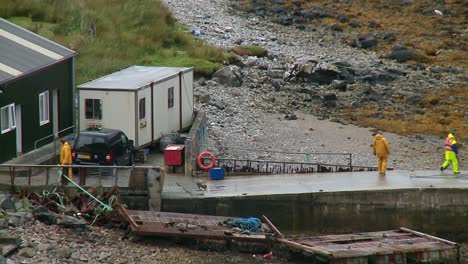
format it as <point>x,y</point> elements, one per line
<point>451,157</point>
<point>382,164</point>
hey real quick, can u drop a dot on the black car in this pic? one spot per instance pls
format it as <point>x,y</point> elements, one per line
<point>103,146</point>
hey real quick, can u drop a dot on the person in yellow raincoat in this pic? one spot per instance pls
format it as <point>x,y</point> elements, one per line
<point>66,157</point>
<point>451,152</point>
<point>381,150</point>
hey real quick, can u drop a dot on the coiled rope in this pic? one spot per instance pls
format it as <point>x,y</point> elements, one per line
<point>101,208</point>
<point>247,225</point>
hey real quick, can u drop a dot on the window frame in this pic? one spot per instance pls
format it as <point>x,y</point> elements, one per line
<point>142,108</point>
<point>95,115</point>
<point>11,113</point>
<point>170,97</point>
<point>44,113</point>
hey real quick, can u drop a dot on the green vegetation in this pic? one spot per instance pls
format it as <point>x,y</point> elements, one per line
<point>113,34</point>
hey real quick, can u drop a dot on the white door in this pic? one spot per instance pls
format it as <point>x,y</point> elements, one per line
<point>19,131</point>
<point>55,113</point>
<point>144,118</point>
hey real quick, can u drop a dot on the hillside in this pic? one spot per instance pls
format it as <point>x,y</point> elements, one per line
<point>111,35</point>
<point>438,40</point>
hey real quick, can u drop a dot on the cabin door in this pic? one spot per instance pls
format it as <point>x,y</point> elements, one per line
<point>144,118</point>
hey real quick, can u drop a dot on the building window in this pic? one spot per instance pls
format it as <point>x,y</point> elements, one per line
<point>44,108</point>
<point>93,109</point>
<point>8,118</point>
<point>170,97</point>
<point>142,108</point>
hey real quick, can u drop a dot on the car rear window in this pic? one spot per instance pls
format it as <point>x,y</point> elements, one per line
<point>90,142</point>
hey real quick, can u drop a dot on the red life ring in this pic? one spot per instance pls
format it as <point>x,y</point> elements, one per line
<point>200,160</point>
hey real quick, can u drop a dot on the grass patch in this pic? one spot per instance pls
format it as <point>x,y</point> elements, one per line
<point>113,34</point>
<point>439,38</point>
<point>250,50</point>
<point>444,111</point>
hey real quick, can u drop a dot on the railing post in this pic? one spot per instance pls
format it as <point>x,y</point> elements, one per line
<point>81,174</point>
<point>47,176</point>
<point>12,179</point>
<point>29,176</point>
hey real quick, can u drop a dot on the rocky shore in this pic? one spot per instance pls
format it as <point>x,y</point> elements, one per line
<point>293,99</point>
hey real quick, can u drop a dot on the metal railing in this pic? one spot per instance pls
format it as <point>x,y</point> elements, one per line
<point>246,166</point>
<point>306,157</point>
<point>54,135</point>
<point>19,175</point>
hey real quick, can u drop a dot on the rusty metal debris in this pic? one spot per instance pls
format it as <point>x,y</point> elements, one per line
<point>198,227</point>
<point>79,206</point>
<point>395,246</point>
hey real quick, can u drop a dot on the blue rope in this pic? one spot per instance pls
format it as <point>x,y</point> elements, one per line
<point>247,225</point>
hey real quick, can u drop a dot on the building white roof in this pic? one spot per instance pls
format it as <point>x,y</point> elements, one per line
<point>133,78</point>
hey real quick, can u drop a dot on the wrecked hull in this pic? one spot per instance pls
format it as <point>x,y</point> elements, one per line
<point>399,246</point>
<point>395,246</point>
<point>202,228</point>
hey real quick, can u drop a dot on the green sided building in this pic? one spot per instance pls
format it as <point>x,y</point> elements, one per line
<point>36,90</point>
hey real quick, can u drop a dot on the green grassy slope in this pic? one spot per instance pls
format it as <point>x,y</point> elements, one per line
<point>113,34</point>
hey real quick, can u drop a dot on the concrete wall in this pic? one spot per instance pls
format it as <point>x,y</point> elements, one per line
<point>439,212</point>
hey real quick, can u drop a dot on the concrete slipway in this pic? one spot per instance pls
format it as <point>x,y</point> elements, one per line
<point>427,201</point>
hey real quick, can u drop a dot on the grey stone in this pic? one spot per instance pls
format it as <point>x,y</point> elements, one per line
<point>354,23</point>
<point>343,18</point>
<point>19,218</point>
<point>401,54</point>
<point>64,252</point>
<point>204,97</point>
<point>336,27</point>
<point>339,85</point>
<point>218,104</point>
<point>71,222</point>
<point>229,75</point>
<point>275,74</point>
<point>43,247</point>
<point>380,77</point>
<point>104,256</point>
<point>8,204</point>
<point>43,214</point>
<point>27,252</point>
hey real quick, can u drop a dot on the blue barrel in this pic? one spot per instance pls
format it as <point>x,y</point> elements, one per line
<point>217,173</point>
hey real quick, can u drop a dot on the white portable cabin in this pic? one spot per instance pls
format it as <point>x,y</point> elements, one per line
<point>144,102</point>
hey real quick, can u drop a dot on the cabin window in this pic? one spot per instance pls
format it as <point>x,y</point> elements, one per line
<point>142,107</point>
<point>93,109</point>
<point>170,97</point>
<point>8,118</point>
<point>44,108</point>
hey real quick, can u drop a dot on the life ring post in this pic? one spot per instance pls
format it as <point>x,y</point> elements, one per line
<point>200,160</point>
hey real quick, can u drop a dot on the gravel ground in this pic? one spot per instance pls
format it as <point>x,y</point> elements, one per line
<point>43,244</point>
<point>242,123</point>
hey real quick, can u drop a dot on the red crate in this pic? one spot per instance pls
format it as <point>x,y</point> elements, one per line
<point>174,155</point>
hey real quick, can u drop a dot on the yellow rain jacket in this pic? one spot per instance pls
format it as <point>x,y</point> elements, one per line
<point>381,146</point>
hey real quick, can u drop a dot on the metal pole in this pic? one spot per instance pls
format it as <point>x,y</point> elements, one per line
<point>55,149</point>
